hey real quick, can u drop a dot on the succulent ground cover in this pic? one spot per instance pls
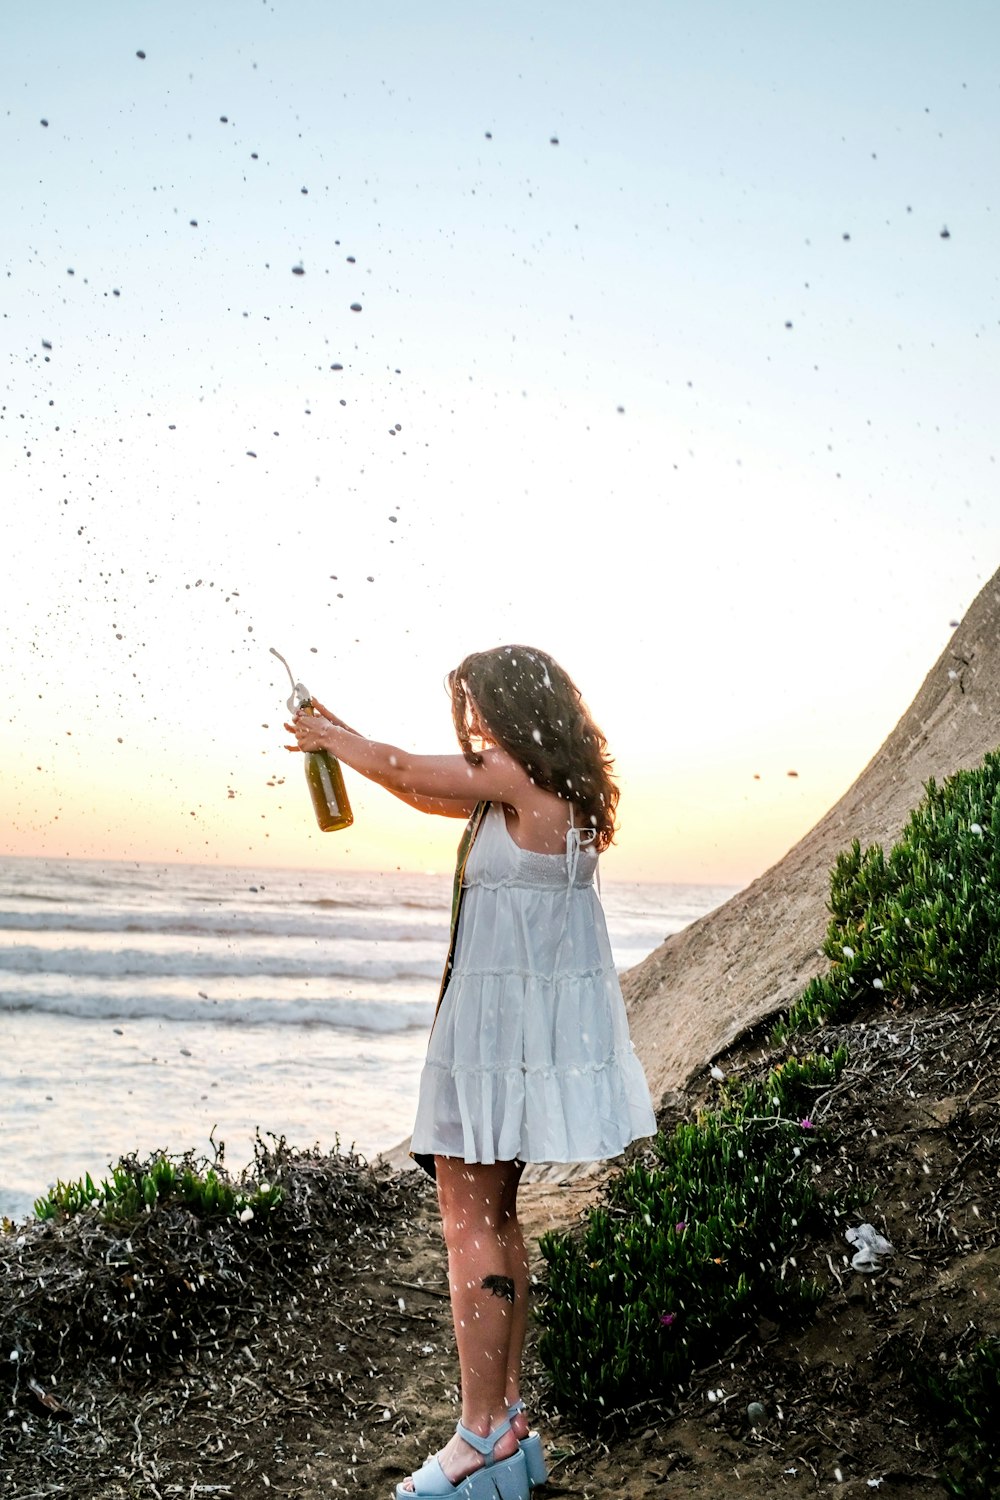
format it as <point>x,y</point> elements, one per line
<point>695,1241</point>
<point>921,923</point>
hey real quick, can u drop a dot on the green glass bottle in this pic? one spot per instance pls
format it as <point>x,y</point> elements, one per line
<point>324,777</point>
<point>326,787</point>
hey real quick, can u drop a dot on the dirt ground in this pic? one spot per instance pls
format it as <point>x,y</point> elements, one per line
<point>342,1378</point>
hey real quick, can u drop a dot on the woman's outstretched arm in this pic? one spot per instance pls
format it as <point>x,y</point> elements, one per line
<point>418,779</point>
<point>443,807</point>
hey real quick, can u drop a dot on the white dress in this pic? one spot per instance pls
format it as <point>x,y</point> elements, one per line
<point>530,1056</point>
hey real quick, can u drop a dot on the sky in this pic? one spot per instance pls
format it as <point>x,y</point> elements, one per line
<point>661,336</point>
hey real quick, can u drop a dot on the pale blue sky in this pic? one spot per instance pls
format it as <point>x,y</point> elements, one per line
<point>749,568</point>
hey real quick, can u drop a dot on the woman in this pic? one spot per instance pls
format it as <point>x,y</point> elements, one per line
<point>529,1057</point>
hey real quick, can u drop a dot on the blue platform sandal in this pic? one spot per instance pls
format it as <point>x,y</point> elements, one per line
<point>531,1447</point>
<point>498,1479</point>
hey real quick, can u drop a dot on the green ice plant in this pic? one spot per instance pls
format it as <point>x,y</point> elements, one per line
<point>964,1402</point>
<point>921,923</point>
<point>689,1249</point>
<point>135,1188</point>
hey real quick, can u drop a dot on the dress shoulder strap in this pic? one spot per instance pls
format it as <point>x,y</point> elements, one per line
<point>464,850</point>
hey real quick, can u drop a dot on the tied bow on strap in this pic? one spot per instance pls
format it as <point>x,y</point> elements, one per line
<point>576,839</point>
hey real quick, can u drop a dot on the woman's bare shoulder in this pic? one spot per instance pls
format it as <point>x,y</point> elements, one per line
<point>538,820</point>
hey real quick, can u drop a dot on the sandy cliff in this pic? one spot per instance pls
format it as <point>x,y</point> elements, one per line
<point>706,985</point>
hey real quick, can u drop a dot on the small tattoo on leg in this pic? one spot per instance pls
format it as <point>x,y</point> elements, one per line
<point>500,1286</point>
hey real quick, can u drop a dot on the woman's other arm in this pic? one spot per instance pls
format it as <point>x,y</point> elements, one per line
<point>443,784</point>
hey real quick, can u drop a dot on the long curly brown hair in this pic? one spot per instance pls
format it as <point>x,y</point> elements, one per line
<point>520,699</point>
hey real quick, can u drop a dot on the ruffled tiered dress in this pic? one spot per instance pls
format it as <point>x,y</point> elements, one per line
<point>530,1057</point>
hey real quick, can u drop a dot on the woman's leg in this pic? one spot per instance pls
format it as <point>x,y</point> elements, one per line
<point>516,1257</point>
<point>487,1282</point>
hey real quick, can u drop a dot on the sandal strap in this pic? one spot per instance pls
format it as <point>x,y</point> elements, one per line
<point>515,1408</point>
<point>484,1445</point>
<point>429,1479</point>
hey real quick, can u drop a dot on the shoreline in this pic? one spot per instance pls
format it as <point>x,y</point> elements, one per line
<point>192,1005</point>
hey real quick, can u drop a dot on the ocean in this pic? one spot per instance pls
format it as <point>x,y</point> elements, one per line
<point>147,1007</point>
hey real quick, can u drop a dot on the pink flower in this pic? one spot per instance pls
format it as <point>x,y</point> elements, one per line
<point>667,1318</point>
<point>807,1124</point>
<point>680,1226</point>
